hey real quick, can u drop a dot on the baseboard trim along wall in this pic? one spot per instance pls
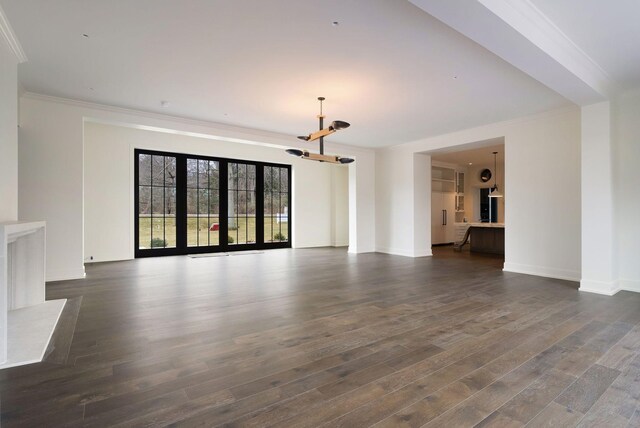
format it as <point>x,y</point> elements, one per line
<point>355,250</point>
<point>629,285</point>
<point>564,274</point>
<point>600,287</point>
<point>65,275</point>
<point>404,253</point>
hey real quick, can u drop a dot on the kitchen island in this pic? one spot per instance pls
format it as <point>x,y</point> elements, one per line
<point>487,238</point>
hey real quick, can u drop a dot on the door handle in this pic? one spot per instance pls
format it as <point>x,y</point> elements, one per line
<point>445,217</point>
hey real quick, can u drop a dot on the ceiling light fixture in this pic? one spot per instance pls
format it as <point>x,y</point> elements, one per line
<point>320,134</point>
<point>494,190</point>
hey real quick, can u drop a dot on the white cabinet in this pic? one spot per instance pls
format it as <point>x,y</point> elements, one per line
<point>443,206</point>
<point>443,179</point>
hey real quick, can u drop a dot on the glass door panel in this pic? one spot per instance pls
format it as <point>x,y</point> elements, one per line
<point>276,204</point>
<point>241,203</point>
<point>156,203</point>
<point>203,195</point>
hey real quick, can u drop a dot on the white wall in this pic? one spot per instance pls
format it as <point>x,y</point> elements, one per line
<point>340,206</point>
<point>542,235</point>
<point>599,267</point>
<point>8,134</point>
<point>394,202</point>
<point>321,217</point>
<point>51,188</point>
<point>626,128</point>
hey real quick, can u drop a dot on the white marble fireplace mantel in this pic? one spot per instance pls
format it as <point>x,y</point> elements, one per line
<point>27,321</point>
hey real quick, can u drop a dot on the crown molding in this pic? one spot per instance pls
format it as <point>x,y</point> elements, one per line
<point>10,38</point>
<point>146,114</point>
<point>214,129</point>
<point>532,23</point>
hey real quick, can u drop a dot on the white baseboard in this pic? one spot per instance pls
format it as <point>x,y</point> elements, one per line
<point>606,288</point>
<point>629,285</point>
<point>565,274</point>
<point>403,252</point>
<point>65,275</point>
<point>423,253</point>
<point>354,250</point>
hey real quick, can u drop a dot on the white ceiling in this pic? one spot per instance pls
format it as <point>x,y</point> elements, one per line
<point>585,50</point>
<point>480,153</point>
<point>388,68</point>
<point>607,31</point>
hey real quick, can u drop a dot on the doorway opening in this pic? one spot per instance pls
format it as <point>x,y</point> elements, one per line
<point>464,181</point>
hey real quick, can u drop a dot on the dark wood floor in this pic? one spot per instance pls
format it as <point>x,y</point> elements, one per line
<point>303,338</point>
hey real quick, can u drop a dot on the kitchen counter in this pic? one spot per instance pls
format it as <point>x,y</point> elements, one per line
<point>487,225</point>
<point>487,238</point>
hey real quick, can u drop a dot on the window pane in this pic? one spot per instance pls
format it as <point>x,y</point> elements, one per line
<point>144,169</point>
<point>214,204</point>
<point>203,203</point>
<point>170,231</point>
<point>284,204</point>
<point>267,203</point>
<point>157,201</point>
<point>157,225</point>
<point>284,233</point>
<point>192,217</point>
<point>231,209</point>
<point>170,216</point>
<point>268,228</point>
<point>170,201</point>
<point>157,170</point>
<point>242,176</point>
<point>203,174</point>
<point>192,173</point>
<point>268,179</point>
<point>203,231</point>
<point>144,229</point>
<point>251,177</point>
<point>170,172</point>
<point>233,176</point>
<point>214,175</point>
<point>242,230</point>
<point>144,200</point>
<point>214,231</point>
<point>233,230</point>
<point>284,180</point>
<point>251,203</point>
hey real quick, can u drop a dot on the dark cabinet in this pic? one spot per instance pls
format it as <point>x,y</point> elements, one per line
<point>487,240</point>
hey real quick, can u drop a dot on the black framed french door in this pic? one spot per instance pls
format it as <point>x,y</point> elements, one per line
<point>188,204</point>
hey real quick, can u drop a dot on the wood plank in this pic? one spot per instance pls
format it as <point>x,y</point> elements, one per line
<point>588,388</point>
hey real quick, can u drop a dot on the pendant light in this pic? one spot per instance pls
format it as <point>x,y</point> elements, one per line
<point>336,125</point>
<point>494,190</point>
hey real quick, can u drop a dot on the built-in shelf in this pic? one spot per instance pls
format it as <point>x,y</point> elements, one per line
<point>443,173</point>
